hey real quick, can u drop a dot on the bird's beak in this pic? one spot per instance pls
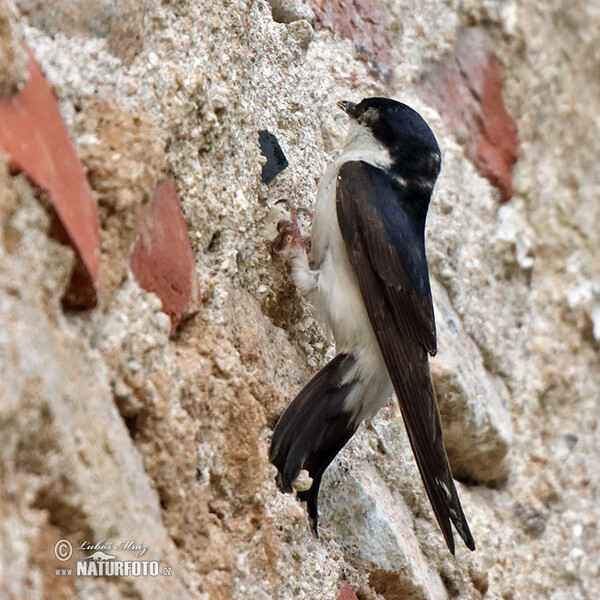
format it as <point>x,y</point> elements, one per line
<point>348,107</point>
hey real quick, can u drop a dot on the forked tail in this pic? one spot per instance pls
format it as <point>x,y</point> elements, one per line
<point>314,428</point>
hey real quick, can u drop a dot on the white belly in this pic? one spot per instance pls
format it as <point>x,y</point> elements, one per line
<point>337,294</point>
<point>333,286</point>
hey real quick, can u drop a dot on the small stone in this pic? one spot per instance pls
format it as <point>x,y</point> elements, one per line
<point>289,11</point>
<point>302,482</point>
<point>134,366</point>
<point>218,97</point>
<point>153,59</point>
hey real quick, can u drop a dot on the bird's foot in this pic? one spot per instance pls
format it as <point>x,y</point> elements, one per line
<point>290,237</point>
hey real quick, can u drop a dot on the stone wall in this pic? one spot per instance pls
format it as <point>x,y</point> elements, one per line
<point>118,423</point>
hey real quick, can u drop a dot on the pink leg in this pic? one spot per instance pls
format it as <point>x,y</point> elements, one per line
<point>290,237</point>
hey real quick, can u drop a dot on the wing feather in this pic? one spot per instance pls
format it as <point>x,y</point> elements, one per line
<point>383,236</point>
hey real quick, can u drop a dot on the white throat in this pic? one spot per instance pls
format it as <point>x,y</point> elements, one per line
<point>361,144</point>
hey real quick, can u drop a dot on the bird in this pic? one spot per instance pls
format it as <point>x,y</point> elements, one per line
<point>369,281</point>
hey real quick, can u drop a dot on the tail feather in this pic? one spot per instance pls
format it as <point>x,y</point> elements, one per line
<point>314,428</point>
<point>420,412</point>
<point>442,493</point>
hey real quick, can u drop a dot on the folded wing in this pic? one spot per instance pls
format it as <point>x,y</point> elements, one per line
<point>382,224</point>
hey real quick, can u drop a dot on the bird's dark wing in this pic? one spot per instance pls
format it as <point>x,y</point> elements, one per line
<point>383,235</point>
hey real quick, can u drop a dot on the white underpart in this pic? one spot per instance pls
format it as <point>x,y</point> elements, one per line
<point>333,286</point>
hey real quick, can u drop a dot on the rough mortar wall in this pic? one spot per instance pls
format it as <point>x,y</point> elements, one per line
<point>109,429</point>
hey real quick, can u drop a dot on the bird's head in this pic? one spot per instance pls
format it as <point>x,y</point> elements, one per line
<point>414,154</point>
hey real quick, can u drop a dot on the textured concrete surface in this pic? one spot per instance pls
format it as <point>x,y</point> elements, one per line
<point>110,429</point>
<point>474,405</point>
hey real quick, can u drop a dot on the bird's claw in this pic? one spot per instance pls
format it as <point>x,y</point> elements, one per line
<point>289,232</point>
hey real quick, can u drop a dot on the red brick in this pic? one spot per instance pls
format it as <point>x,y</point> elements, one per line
<point>162,260</point>
<point>466,89</point>
<point>365,23</point>
<point>36,140</point>
<point>347,593</point>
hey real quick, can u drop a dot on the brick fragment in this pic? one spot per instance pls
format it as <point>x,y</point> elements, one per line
<point>365,23</point>
<point>162,259</point>
<point>466,89</point>
<point>36,140</point>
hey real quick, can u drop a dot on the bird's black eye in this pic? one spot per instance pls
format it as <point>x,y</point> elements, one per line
<point>370,117</point>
